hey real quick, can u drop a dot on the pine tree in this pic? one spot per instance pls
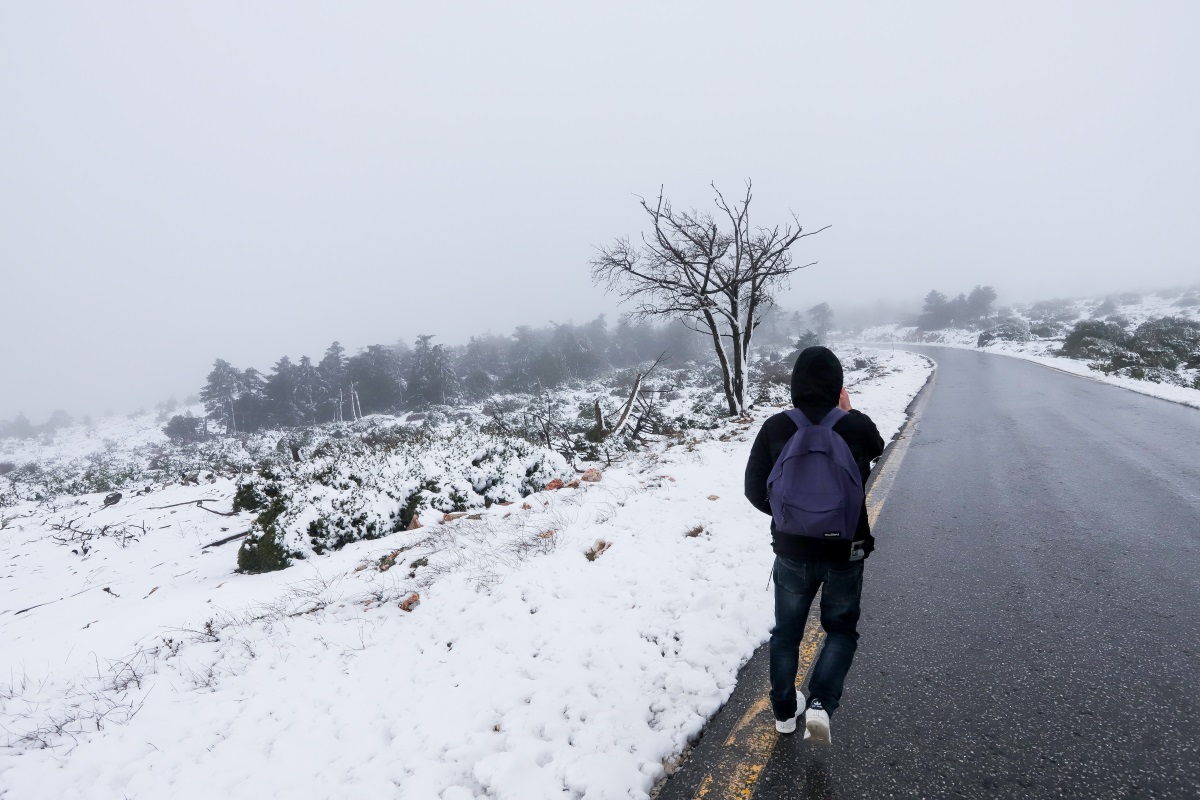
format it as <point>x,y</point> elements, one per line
<point>822,318</point>
<point>221,392</point>
<point>979,302</point>
<point>254,409</point>
<point>311,390</point>
<point>481,365</point>
<point>281,394</point>
<point>375,379</point>
<point>935,314</point>
<point>333,372</point>
<point>431,376</point>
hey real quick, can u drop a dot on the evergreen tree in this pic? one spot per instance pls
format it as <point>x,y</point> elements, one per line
<point>220,393</point>
<point>959,311</point>
<point>625,350</point>
<point>482,363</point>
<point>594,336</point>
<point>58,419</point>
<point>522,360</point>
<point>431,378</point>
<point>936,312</point>
<point>254,409</point>
<point>979,302</point>
<point>332,369</point>
<point>822,318</point>
<point>311,390</point>
<point>21,427</point>
<point>375,379</point>
<point>281,394</point>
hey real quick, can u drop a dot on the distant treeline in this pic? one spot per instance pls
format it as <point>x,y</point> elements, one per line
<point>22,428</point>
<point>395,378</point>
<point>966,310</point>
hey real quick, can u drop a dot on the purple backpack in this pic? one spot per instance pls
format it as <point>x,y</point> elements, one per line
<point>815,489</point>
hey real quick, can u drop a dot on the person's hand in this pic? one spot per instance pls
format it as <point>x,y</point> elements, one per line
<point>844,400</point>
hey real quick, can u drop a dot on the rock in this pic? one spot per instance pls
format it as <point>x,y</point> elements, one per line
<point>410,602</point>
<point>554,484</point>
<point>572,484</point>
<point>592,475</point>
<point>453,516</point>
<point>112,499</point>
<point>416,523</point>
<point>714,497</point>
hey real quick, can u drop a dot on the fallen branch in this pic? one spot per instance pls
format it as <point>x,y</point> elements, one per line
<point>226,540</point>
<point>199,504</point>
<point>214,511</point>
<point>187,503</point>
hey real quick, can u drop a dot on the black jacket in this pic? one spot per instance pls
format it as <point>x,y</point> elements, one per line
<point>816,385</point>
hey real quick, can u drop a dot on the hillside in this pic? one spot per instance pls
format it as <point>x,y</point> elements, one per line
<point>568,641</point>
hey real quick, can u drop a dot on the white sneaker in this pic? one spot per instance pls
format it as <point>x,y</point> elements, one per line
<point>786,725</point>
<point>816,724</point>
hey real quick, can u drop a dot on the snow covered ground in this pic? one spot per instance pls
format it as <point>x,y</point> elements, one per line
<point>572,645</point>
<point>1042,350</point>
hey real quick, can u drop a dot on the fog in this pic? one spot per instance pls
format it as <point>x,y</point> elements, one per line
<point>181,182</point>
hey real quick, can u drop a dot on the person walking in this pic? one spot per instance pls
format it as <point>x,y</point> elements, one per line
<point>818,543</point>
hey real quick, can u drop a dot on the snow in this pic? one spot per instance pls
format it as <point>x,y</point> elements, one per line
<point>526,670</point>
<point>1041,351</point>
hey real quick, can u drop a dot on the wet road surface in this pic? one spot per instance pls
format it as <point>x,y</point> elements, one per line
<point>1031,615</point>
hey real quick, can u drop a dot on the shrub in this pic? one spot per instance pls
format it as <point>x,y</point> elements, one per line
<point>1168,342</point>
<point>1153,352</point>
<point>1093,339</point>
<point>184,428</point>
<point>1009,330</point>
<point>1188,300</point>
<point>1051,311</point>
<point>1047,330</point>
<point>248,497</point>
<point>262,551</point>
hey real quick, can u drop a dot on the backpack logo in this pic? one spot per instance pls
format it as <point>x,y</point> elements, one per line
<point>815,488</point>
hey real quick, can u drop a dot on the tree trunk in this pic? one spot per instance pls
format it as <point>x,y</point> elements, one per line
<point>739,356</point>
<point>715,329</point>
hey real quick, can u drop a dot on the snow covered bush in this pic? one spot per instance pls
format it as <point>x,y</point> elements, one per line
<point>1093,339</point>
<point>1013,329</point>
<point>381,479</point>
<point>1168,343</point>
<point>1156,351</point>
<point>1052,311</point>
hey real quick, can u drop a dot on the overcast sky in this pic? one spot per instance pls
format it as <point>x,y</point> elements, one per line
<point>180,182</point>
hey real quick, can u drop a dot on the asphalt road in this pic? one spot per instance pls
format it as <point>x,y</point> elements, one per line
<point>1031,616</point>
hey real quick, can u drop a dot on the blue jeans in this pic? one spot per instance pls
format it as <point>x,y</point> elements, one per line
<point>796,583</point>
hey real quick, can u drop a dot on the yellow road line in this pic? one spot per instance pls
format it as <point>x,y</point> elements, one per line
<point>749,746</point>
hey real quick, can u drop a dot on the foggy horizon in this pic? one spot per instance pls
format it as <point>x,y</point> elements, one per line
<point>179,185</point>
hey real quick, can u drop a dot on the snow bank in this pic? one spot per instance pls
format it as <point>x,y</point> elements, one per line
<point>1060,316</point>
<point>526,670</point>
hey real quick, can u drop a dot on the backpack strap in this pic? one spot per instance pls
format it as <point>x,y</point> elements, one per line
<point>834,416</point>
<point>797,416</point>
<point>802,421</point>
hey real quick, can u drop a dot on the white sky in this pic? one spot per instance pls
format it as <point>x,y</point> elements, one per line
<point>180,182</point>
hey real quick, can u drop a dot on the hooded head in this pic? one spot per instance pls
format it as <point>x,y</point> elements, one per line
<point>816,379</point>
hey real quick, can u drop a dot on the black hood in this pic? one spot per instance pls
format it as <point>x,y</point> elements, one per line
<point>816,379</point>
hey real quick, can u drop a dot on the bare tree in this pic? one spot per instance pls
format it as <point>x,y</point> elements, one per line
<point>719,277</point>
